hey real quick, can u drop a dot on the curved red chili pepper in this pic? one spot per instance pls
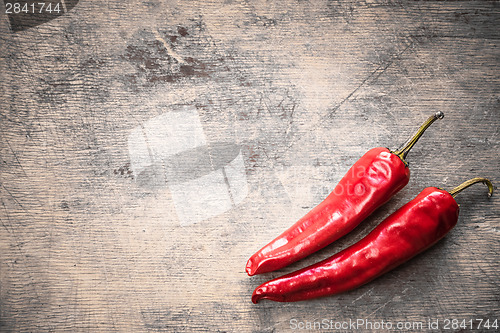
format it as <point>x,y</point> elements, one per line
<point>410,230</point>
<point>369,183</point>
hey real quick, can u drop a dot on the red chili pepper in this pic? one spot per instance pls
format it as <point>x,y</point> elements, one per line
<point>410,230</point>
<point>369,183</point>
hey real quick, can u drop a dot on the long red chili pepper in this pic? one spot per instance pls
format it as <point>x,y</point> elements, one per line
<point>410,230</point>
<point>369,183</point>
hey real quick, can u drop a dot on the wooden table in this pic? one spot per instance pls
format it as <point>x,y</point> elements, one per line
<point>107,113</point>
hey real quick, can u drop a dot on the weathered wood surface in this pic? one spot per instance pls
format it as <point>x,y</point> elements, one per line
<point>304,88</point>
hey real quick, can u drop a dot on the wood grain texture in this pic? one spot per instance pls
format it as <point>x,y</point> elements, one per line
<point>304,88</point>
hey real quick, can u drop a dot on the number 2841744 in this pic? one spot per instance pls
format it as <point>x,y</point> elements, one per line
<point>32,7</point>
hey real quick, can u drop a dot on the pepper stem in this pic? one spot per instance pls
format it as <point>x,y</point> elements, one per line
<point>470,182</point>
<point>402,152</point>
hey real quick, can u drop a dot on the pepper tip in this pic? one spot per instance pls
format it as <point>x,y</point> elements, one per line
<point>257,295</point>
<point>249,269</point>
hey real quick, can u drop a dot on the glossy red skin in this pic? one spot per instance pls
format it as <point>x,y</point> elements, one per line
<point>369,183</point>
<point>410,230</point>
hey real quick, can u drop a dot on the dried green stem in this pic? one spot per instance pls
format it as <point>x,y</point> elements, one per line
<point>470,182</point>
<point>402,152</point>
